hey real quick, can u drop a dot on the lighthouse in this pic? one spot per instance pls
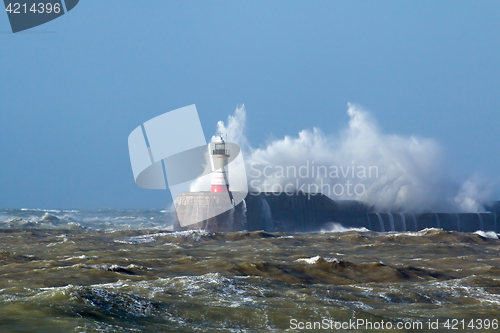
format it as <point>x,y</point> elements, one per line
<point>220,156</point>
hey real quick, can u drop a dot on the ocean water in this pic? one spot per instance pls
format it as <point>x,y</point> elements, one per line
<point>127,271</point>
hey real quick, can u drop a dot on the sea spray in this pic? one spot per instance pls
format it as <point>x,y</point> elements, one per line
<point>410,174</point>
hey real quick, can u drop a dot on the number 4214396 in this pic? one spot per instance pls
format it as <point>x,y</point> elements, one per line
<point>40,8</point>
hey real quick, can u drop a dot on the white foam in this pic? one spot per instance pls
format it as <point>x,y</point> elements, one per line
<point>40,210</point>
<point>487,234</point>
<point>337,227</point>
<point>315,260</point>
<point>77,257</point>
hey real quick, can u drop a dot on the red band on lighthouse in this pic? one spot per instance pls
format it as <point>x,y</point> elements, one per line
<point>219,188</point>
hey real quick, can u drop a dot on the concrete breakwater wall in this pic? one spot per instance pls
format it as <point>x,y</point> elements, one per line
<point>301,212</point>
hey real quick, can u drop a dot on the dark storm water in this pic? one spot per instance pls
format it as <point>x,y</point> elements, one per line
<point>125,271</point>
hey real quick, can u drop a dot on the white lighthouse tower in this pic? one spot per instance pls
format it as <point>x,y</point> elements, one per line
<point>220,156</point>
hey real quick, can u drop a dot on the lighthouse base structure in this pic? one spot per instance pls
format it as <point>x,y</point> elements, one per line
<point>192,207</point>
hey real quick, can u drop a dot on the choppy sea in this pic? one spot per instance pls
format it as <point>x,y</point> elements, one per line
<point>128,271</point>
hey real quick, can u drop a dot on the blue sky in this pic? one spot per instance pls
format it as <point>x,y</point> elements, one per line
<point>73,89</point>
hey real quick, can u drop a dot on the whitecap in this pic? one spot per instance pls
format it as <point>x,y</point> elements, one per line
<point>487,234</point>
<point>315,260</point>
<point>337,227</point>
